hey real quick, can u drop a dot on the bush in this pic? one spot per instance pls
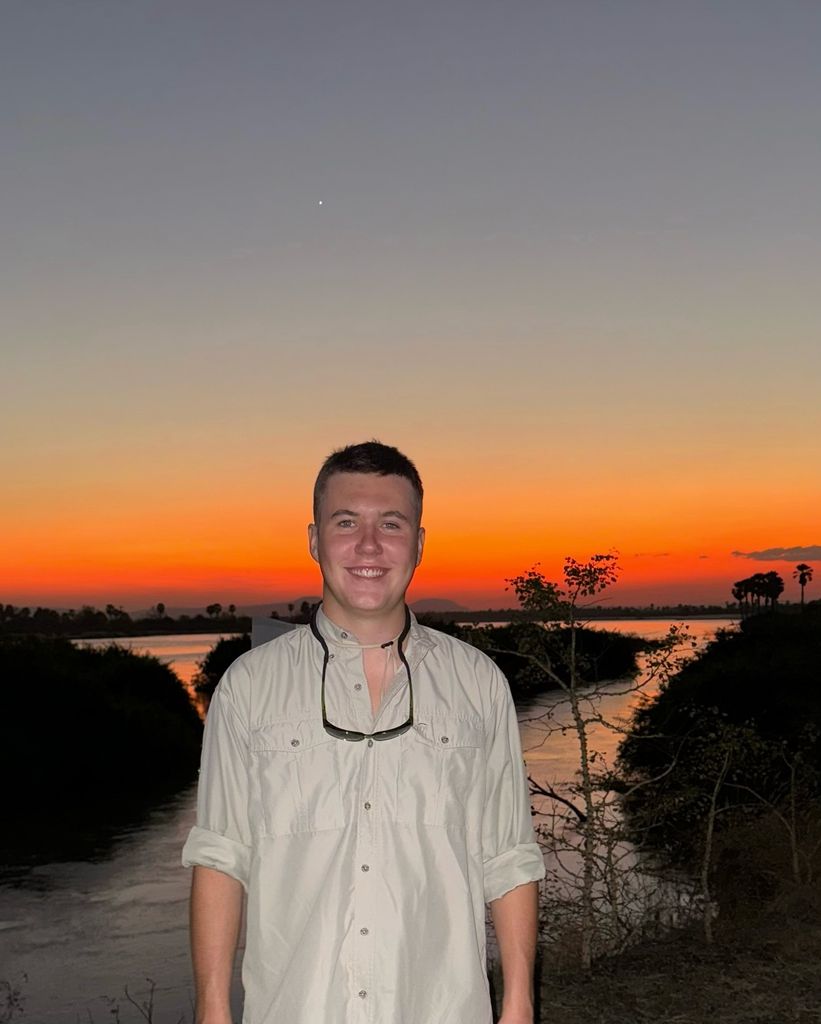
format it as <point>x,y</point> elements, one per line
<point>82,724</point>
<point>601,654</point>
<point>214,664</point>
<point>744,715</point>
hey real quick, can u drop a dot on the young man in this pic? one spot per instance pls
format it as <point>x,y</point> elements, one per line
<point>362,780</point>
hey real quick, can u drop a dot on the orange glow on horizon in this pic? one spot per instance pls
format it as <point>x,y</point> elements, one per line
<point>674,533</point>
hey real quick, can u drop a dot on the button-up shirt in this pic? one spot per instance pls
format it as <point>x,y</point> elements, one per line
<point>367,864</point>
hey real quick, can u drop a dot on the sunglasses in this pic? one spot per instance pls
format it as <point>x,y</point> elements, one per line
<point>353,735</point>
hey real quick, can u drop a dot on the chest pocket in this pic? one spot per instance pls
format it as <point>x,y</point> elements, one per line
<point>441,773</point>
<point>295,779</point>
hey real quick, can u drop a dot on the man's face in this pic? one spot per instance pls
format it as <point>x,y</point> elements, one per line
<point>368,543</point>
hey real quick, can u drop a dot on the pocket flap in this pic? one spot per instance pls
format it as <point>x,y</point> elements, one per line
<point>289,737</point>
<point>446,732</point>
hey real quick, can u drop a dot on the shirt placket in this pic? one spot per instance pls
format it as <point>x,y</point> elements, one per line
<point>355,711</point>
<point>367,867</point>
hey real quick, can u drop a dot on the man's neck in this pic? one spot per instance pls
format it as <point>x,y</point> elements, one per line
<point>376,629</point>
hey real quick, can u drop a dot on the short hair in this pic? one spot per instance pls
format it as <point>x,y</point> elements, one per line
<point>368,457</point>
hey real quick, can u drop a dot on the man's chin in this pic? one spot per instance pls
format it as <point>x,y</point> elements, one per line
<point>369,604</point>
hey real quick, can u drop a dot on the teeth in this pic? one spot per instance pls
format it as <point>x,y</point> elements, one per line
<point>370,573</point>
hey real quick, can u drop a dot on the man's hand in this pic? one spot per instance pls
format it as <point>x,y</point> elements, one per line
<point>519,1018</point>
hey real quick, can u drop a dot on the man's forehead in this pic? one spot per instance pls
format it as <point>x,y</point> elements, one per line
<point>388,493</point>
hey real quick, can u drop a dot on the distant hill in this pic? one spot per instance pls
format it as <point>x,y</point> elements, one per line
<point>436,604</point>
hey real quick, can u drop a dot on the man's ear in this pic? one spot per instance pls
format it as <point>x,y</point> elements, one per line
<point>313,542</point>
<point>421,544</point>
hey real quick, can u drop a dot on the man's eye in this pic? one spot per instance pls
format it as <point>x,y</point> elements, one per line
<point>391,526</point>
<point>344,522</point>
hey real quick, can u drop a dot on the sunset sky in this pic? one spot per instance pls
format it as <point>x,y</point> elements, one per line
<point>565,255</point>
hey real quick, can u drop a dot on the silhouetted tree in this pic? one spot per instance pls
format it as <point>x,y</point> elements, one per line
<point>773,586</point>
<point>116,614</point>
<point>214,610</point>
<point>160,609</point>
<point>803,573</point>
<point>766,587</point>
<point>741,594</point>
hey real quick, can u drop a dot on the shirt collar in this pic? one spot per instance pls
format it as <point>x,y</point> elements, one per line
<point>416,646</point>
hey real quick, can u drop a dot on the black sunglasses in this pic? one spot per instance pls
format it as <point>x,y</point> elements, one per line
<point>353,734</point>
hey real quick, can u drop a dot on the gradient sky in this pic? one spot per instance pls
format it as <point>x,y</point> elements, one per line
<point>565,254</point>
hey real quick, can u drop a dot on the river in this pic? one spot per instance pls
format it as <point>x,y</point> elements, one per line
<point>74,934</point>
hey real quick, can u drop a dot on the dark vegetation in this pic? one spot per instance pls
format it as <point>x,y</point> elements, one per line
<point>214,664</point>
<point>744,716</point>
<point>85,729</point>
<point>600,654</point>
<point>730,757</point>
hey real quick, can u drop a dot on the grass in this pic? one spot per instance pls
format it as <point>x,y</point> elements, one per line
<point>763,968</point>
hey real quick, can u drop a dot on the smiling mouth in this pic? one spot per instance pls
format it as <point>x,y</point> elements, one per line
<point>367,572</point>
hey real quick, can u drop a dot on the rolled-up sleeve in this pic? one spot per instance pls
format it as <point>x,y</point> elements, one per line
<point>510,852</point>
<point>221,838</point>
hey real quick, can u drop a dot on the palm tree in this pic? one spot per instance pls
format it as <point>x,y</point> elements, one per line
<point>758,588</point>
<point>802,573</point>
<point>773,588</point>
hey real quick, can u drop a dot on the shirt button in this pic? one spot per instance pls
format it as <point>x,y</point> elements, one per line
<point>344,636</point>
<point>370,743</point>
<point>294,743</point>
<point>362,993</point>
<point>357,686</point>
<point>363,931</point>
<point>367,805</point>
<point>366,867</point>
<point>446,739</point>
<point>331,657</point>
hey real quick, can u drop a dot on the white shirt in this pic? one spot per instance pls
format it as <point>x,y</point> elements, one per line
<point>367,864</point>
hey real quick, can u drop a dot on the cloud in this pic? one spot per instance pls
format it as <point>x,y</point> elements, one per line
<point>794,554</point>
<point>703,556</point>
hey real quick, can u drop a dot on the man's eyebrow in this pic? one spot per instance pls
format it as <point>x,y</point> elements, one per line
<point>391,513</point>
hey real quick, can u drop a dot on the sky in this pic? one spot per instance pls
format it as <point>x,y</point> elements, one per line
<point>563,254</point>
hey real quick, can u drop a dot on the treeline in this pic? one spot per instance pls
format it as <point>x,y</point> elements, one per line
<point>589,614</point>
<point>762,590</point>
<point>113,621</point>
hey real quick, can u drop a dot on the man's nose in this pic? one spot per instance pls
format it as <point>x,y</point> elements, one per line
<point>368,539</point>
